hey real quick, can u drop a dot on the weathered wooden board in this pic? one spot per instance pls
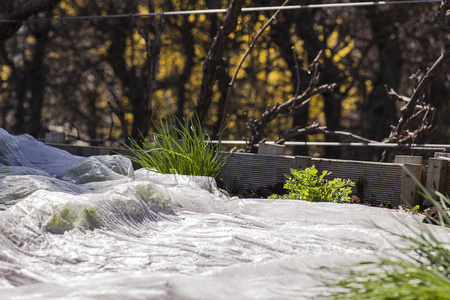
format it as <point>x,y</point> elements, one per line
<point>249,171</point>
<point>436,176</point>
<point>446,157</point>
<point>375,183</point>
<point>87,151</point>
<point>273,149</point>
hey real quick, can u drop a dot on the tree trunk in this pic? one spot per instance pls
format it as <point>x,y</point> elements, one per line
<point>382,110</point>
<point>215,56</point>
<point>188,43</point>
<point>37,71</point>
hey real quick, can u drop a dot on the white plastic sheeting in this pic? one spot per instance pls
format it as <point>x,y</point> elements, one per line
<point>92,228</point>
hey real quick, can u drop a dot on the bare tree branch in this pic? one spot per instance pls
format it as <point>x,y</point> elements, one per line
<point>409,110</point>
<point>442,15</point>
<point>257,126</point>
<point>397,134</point>
<point>247,52</point>
<point>316,129</point>
<point>297,73</point>
<point>152,55</point>
<point>214,59</point>
<point>117,109</point>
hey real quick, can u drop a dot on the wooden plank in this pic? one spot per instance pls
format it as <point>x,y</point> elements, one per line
<point>87,151</point>
<point>408,159</point>
<point>272,149</point>
<point>446,156</point>
<point>447,182</point>
<point>409,187</point>
<point>302,162</point>
<point>249,171</point>
<point>375,183</point>
<point>441,154</point>
<point>55,137</point>
<point>436,177</point>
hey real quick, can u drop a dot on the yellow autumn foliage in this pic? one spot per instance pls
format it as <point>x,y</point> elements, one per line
<point>264,78</point>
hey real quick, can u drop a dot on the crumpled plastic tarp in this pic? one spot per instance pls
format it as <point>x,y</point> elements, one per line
<point>93,228</point>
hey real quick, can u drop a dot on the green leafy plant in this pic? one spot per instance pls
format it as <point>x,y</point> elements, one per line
<point>152,196</point>
<point>421,271</point>
<point>413,210</point>
<point>69,218</point>
<point>179,147</point>
<point>307,185</point>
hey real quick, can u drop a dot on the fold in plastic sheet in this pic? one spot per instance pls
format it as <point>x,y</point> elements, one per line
<point>92,228</point>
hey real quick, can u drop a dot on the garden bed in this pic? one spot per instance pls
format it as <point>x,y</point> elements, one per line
<point>74,227</point>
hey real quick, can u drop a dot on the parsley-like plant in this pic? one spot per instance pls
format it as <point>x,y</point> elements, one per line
<point>309,186</point>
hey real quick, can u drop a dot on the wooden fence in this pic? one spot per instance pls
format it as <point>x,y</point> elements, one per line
<point>375,183</point>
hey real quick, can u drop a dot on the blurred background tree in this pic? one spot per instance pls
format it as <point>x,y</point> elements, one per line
<point>102,79</point>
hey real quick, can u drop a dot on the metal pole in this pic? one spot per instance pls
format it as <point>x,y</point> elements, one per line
<point>224,10</point>
<point>436,147</point>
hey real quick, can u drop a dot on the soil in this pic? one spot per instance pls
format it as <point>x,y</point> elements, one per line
<point>432,216</point>
<point>262,192</point>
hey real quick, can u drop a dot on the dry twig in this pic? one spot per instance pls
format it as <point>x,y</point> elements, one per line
<point>116,109</point>
<point>413,106</point>
<point>316,129</point>
<point>152,56</point>
<point>215,56</point>
<point>257,126</point>
<point>236,71</point>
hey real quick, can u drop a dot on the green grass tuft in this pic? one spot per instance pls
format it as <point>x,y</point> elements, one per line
<point>422,272</point>
<point>179,147</point>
